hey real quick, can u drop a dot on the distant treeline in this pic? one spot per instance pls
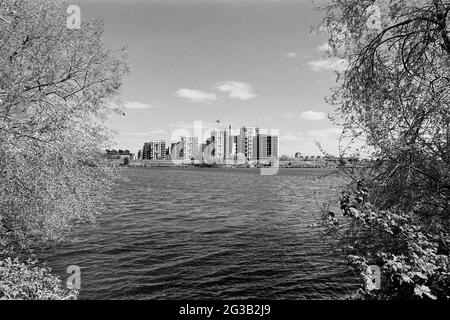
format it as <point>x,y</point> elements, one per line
<point>187,163</point>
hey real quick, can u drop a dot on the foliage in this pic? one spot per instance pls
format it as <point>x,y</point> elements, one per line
<point>414,261</point>
<point>19,280</point>
<point>394,96</point>
<point>56,88</point>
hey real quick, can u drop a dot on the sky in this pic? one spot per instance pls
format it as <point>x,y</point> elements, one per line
<point>243,63</point>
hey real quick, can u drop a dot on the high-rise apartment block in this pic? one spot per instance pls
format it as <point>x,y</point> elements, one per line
<point>220,142</point>
<point>266,146</point>
<point>187,148</point>
<point>154,150</point>
<point>245,142</point>
<point>249,143</point>
<point>192,148</point>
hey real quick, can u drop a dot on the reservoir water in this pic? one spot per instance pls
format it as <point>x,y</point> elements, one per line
<point>191,233</point>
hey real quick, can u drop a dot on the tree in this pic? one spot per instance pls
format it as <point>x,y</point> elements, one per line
<point>21,280</point>
<point>394,95</point>
<point>56,88</point>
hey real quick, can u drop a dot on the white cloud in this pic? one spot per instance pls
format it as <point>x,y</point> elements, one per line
<point>328,65</point>
<point>138,105</point>
<point>291,55</point>
<point>196,96</point>
<point>313,115</point>
<point>236,90</point>
<point>325,48</point>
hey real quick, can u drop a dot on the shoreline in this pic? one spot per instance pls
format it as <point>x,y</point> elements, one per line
<point>169,164</point>
<point>222,167</point>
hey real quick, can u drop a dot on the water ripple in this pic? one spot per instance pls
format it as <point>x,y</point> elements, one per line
<point>207,233</point>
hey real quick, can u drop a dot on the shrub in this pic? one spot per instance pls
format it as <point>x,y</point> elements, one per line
<point>393,97</point>
<point>27,280</point>
<point>414,260</point>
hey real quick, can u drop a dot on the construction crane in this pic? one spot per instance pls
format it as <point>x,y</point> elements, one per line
<point>218,117</point>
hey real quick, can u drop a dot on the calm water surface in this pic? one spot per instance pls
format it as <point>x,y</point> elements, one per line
<point>176,233</point>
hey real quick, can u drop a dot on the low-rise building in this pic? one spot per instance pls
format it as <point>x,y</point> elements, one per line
<point>119,154</point>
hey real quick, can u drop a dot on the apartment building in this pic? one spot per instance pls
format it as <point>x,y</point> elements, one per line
<point>192,148</point>
<point>220,142</point>
<point>251,142</point>
<point>245,142</point>
<point>186,148</point>
<point>154,150</point>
